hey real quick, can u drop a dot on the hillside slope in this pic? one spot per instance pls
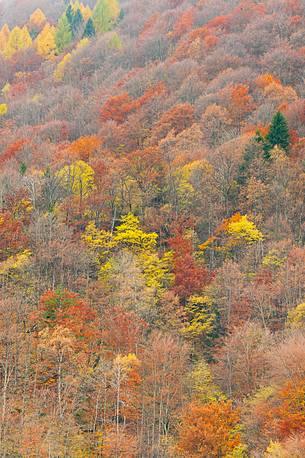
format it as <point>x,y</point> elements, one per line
<point>152,252</point>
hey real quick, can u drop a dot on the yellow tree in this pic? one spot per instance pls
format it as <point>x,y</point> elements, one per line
<point>200,383</point>
<point>238,230</point>
<point>114,7</point>
<point>77,179</point>
<point>202,320</point>
<point>60,69</point>
<point>128,237</point>
<point>45,42</point>
<point>15,263</point>
<point>240,227</point>
<point>18,40</point>
<point>296,317</point>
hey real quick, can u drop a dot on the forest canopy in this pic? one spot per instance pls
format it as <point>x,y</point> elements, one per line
<point>152,259</point>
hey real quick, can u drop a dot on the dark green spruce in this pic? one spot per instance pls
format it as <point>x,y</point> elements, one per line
<point>89,31</point>
<point>278,134</point>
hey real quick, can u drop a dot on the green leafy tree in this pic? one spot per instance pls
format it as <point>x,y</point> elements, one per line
<point>115,41</point>
<point>63,35</point>
<point>104,14</point>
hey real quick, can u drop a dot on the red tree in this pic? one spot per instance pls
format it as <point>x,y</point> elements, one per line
<point>190,277</point>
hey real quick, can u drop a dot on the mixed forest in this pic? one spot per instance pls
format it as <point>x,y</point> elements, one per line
<point>152,259</point>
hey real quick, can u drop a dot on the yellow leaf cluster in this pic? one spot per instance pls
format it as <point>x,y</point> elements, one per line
<point>242,228</point>
<point>77,178</point>
<point>37,98</point>
<point>115,41</point>
<point>114,7</point>
<point>273,259</point>
<point>237,229</point>
<point>201,383</point>
<point>58,339</point>
<point>45,42</point>
<point>202,317</point>
<point>194,171</point>
<point>6,89</point>
<point>22,207</point>
<point>19,39</point>
<point>99,240</point>
<point>238,452</point>
<point>104,14</point>
<point>157,270</point>
<point>3,109</point>
<point>296,317</point>
<point>82,43</point>
<point>60,69</point>
<point>15,262</point>
<point>274,450</point>
<point>126,362</point>
<point>128,235</point>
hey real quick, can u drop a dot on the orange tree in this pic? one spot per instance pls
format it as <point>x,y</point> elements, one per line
<point>209,430</point>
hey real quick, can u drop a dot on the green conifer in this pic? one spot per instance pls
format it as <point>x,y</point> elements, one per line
<point>70,14</point>
<point>89,31</point>
<point>278,133</point>
<point>77,22</point>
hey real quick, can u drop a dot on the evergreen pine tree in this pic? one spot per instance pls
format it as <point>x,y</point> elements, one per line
<point>261,141</point>
<point>251,152</point>
<point>77,22</point>
<point>22,169</point>
<point>121,15</point>
<point>278,133</point>
<point>89,31</point>
<point>70,14</point>
<point>75,19</point>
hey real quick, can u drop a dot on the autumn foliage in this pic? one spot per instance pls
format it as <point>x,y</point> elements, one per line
<point>152,295</point>
<point>209,430</point>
